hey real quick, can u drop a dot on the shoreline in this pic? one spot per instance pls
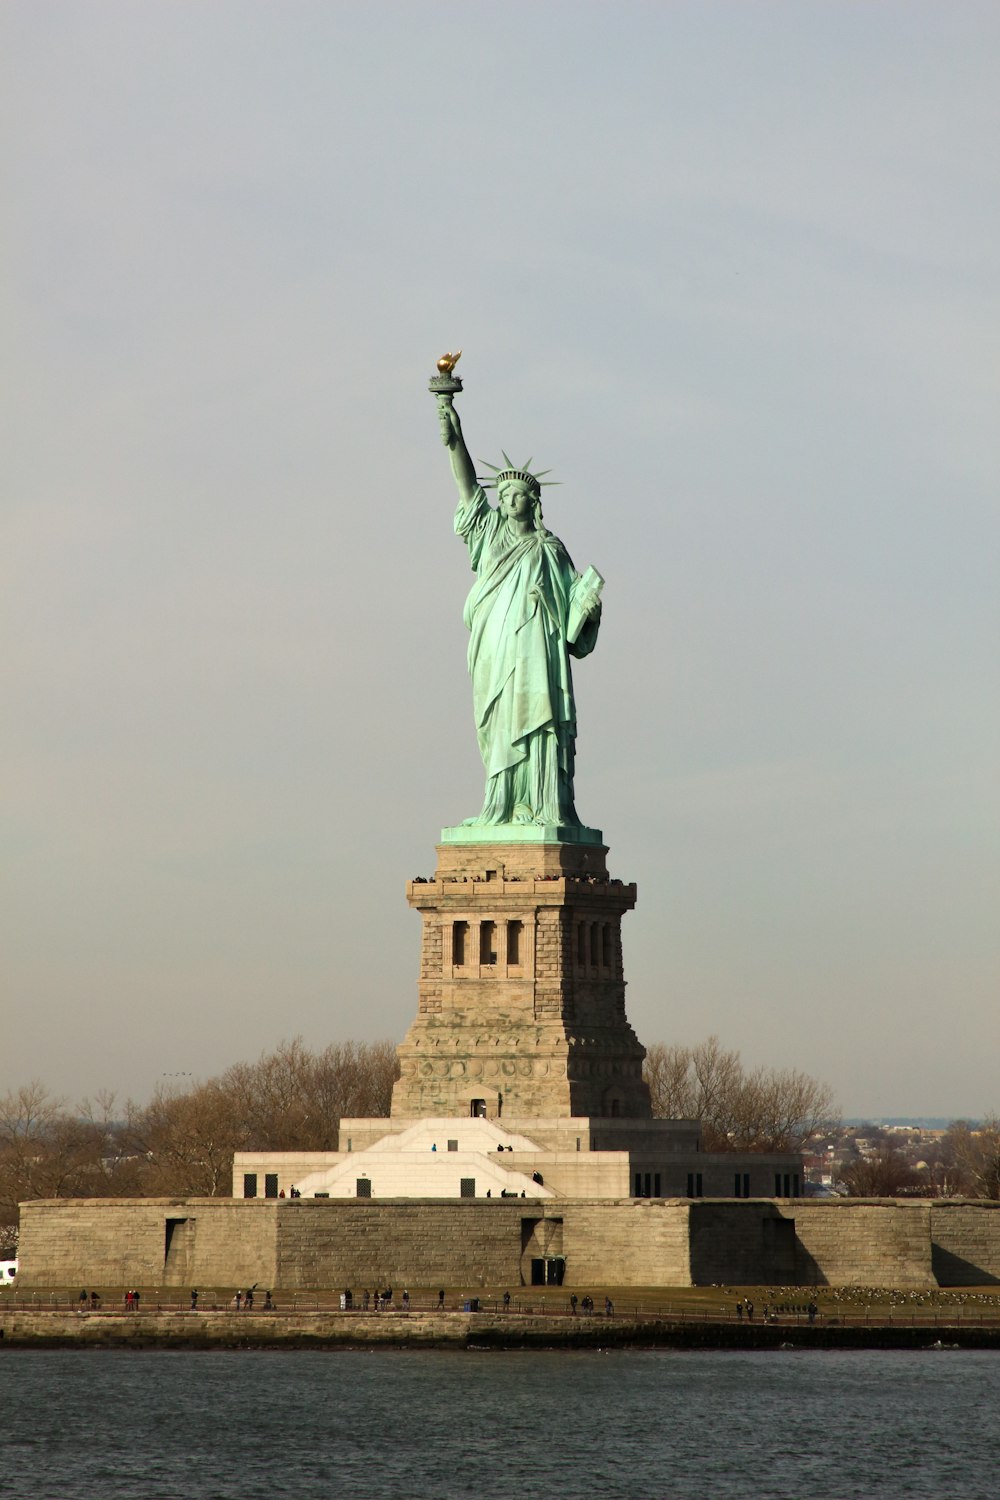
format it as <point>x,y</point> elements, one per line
<point>33,1329</point>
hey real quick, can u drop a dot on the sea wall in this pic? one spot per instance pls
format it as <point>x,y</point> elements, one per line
<point>26,1328</point>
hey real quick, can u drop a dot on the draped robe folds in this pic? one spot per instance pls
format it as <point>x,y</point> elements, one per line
<point>522,687</point>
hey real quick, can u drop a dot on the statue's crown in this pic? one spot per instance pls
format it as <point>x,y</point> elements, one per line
<point>511,472</point>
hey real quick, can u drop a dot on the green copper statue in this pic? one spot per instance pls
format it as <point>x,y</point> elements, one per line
<point>529,611</point>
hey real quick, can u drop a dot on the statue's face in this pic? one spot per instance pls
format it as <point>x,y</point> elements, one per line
<point>517,500</point>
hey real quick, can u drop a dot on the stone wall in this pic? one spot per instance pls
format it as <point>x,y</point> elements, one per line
<point>862,1242</point>
<point>305,1243</point>
<point>634,1242</point>
<point>741,1243</point>
<point>965,1243</point>
<point>358,1243</point>
<point>147,1241</point>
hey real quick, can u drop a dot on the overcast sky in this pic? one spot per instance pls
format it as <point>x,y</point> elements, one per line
<point>732,271</point>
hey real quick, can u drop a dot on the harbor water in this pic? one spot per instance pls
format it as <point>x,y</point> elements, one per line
<point>238,1425</point>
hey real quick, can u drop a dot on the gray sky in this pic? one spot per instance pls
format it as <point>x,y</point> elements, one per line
<point>731,269</point>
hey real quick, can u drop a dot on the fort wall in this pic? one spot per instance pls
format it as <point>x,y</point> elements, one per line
<point>866,1242</point>
<point>306,1243</point>
<point>965,1243</point>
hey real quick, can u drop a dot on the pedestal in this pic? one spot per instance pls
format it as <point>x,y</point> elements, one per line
<point>522,987</point>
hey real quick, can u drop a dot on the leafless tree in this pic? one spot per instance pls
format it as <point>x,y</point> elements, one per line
<point>186,1140</point>
<point>975,1152</point>
<point>290,1099</point>
<point>765,1110</point>
<point>182,1141</point>
<point>49,1151</point>
<point>885,1173</point>
<point>667,1071</point>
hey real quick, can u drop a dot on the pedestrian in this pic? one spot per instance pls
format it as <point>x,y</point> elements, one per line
<point>609,1308</point>
<point>238,1299</point>
<point>812,1310</point>
<point>194,1299</point>
<point>366,1298</point>
<point>739,1312</point>
<point>406,1301</point>
<point>95,1301</point>
<point>506,1301</point>
<point>83,1299</point>
<point>441,1300</point>
<point>749,1311</point>
<point>135,1300</point>
<point>268,1304</point>
<point>248,1299</point>
<point>572,1304</point>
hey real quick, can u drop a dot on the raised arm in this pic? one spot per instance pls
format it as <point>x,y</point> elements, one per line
<point>451,435</point>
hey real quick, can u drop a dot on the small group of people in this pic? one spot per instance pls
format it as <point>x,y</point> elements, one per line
<point>586,1305</point>
<point>132,1301</point>
<point>89,1299</point>
<point>382,1300</point>
<point>244,1299</point>
<point>745,1309</point>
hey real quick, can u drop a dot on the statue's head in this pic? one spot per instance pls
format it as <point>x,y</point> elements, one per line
<point>520,497</point>
<point>519,492</point>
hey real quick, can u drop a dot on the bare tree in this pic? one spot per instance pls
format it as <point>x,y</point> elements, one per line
<point>885,1173</point>
<point>187,1141</point>
<point>49,1151</point>
<point>667,1071</point>
<point>290,1099</point>
<point>766,1110</point>
<point>975,1153</point>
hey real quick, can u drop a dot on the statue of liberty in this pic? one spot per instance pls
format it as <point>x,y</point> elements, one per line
<point>528,612</point>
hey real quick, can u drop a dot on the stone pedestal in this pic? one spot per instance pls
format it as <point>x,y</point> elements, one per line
<point>522,990</point>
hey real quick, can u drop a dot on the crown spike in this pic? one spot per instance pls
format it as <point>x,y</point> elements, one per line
<point>512,471</point>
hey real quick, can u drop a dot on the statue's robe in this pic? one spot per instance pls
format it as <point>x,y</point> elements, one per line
<point>517,613</point>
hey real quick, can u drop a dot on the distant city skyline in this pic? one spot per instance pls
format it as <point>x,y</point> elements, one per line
<point>731,272</point>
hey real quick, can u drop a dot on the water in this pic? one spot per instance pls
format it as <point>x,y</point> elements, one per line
<point>657,1425</point>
